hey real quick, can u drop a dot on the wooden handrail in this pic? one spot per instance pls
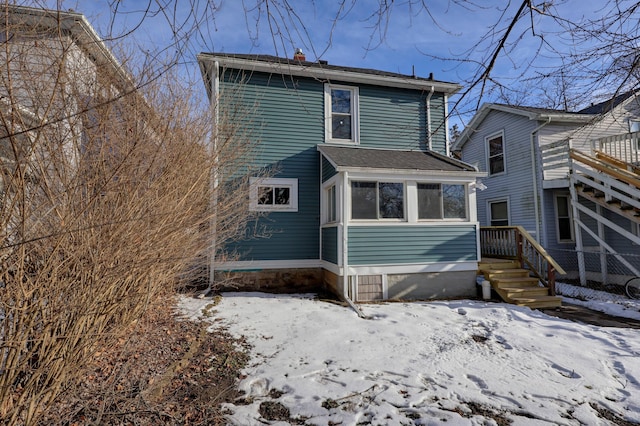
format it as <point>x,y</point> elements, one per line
<point>620,174</point>
<point>514,242</point>
<point>616,162</point>
<point>523,232</point>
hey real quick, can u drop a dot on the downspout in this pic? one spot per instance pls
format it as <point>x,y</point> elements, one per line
<point>345,272</point>
<point>345,275</point>
<point>429,137</point>
<point>446,126</point>
<point>536,202</point>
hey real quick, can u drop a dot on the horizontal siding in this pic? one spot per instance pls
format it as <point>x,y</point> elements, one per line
<point>284,117</point>
<point>376,245</point>
<point>517,182</point>
<point>328,171</point>
<point>438,124</point>
<point>392,118</point>
<point>330,244</point>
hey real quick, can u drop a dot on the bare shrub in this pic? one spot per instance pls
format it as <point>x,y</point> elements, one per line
<point>105,204</point>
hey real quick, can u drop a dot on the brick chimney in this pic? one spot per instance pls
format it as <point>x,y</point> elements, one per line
<point>299,55</point>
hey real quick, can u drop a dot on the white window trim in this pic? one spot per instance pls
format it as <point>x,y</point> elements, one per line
<point>498,200</point>
<point>488,150</point>
<point>326,220</point>
<point>556,217</point>
<point>443,219</point>
<point>292,184</point>
<point>355,114</point>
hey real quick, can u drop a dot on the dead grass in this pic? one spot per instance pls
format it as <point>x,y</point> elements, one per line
<point>167,371</point>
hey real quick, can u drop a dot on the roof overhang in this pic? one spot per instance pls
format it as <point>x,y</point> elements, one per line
<point>318,72</point>
<point>412,172</point>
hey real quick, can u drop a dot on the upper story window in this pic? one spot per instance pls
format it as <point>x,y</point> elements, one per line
<point>495,153</point>
<point>273,194</point>
<point>377,200</point>
<point>341,114</point>
<point>441,201</point>
<point>634,125</point>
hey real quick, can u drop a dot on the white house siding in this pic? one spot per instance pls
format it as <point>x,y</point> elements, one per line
<point>517,182</point>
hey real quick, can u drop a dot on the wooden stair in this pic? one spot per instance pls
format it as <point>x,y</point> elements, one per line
<point>515,285</point>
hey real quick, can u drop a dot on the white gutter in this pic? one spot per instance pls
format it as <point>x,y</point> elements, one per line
<point>429,137</point>
<point>536,202</point>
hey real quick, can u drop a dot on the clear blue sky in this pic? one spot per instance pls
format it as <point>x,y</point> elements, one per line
<point>407,40</point>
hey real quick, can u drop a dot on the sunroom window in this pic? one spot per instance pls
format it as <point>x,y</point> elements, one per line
<point>377,200</point>
<point>441,201</point>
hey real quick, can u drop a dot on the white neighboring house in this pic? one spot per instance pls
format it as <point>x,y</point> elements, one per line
<point>582,208</point>
<point>54,72</point>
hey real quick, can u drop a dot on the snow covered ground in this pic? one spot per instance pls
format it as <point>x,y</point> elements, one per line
<point>455,362</point>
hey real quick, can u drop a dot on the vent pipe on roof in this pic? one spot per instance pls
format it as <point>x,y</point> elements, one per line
<point>299,55</point>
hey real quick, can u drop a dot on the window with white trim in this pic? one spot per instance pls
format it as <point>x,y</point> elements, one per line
<point>498,213</point>
<point>377,200</point>
<point>495,154</point>
<point>342,124</point>
<point>273,194</point>
<point>332,210</point>
<point>442,201</point>
<point>564,225</point>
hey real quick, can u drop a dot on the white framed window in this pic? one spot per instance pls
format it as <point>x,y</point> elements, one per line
<point>442,201</point>
<point>342,121</point>
<point>495,154</point>
<point>564,220</point>
<point>273,194</point>
<point>634,125</point>
<point>331,213</point>
<point>377,200</point>
<point>498,212</point>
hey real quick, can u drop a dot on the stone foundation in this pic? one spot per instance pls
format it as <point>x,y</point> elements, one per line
<point>271,280</point>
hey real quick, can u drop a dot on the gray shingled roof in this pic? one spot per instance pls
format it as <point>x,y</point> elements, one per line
<point>607,105</point>
<point>352,157</point>
<point>320,65</point>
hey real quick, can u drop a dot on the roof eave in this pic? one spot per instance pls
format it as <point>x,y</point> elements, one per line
<point>303,70</point>
<point>416,172</point>
<point>87,38</point>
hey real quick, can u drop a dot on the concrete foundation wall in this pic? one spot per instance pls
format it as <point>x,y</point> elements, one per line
<point>436,285</point>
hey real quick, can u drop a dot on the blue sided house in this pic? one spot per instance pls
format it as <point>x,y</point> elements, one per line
<point>362,198</point>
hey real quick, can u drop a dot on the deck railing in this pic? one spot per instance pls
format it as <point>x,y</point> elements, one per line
<point>513,242</point>
<point>555,159</point>
<point>625,147</point>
